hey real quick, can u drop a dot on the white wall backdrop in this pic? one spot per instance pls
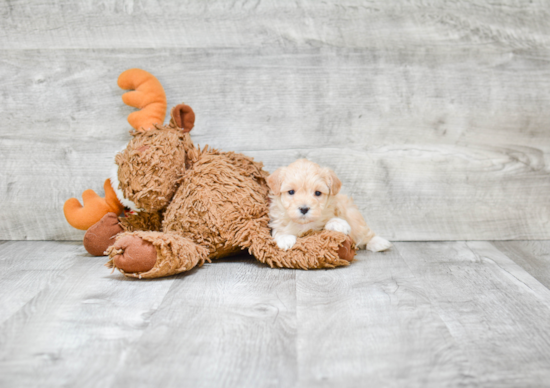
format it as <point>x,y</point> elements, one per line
<point>435,114</point>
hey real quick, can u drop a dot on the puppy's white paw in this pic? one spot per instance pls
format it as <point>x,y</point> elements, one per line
<point>338,225</point>
<point>285,241</point>
<point>377,244</point>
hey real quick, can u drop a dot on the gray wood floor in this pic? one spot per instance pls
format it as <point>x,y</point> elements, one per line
<point>421,315</point>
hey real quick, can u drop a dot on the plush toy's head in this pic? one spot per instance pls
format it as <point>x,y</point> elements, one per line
<point>151,167</point>
<point>149,170</point>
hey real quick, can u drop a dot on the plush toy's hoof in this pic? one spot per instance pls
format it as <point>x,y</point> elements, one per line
<point>138,255</point>
<point>100,236</point>
<point>346,252</point>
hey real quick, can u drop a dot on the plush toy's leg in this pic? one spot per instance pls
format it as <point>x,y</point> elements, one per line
<point>325,249</point>
<point>102,234</point>
<point>154,254</point>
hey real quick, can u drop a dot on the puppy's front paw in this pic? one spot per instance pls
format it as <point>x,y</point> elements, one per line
<point>377,244</point>
<point>338,225</point>
<point>285,241</point>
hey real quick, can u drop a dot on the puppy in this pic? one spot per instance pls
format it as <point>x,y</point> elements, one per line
<point>304,197</point>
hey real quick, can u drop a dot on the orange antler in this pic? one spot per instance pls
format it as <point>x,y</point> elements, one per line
<point>148,95</point>
<point>94,208</point>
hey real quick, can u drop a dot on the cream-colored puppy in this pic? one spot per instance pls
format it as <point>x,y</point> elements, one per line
<point>304,197</point>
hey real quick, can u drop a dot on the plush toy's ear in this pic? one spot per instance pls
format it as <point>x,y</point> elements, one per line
<point>275,180</point>
<point>183,117</point>
<point>148,95</point>
<point>333,181</point>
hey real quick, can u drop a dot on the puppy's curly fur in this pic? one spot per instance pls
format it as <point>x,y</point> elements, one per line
<point>304,197</point>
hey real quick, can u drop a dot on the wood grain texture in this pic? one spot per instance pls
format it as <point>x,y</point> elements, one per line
<point>75,322</point>
<point>414,176</point>
<point>434,113</point>
<point>421,315</point>
<point>496,312</point>
<point>229,324</point>
<point>532,256</point>
<point>26,269</point>
<point>374,322</point>
<point>284,23</point>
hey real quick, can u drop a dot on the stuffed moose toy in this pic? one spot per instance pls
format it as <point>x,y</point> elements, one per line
<point>185,205</point>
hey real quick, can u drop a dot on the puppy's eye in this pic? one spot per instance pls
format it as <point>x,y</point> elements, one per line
<point>291,192</point>
<point>318,193</point>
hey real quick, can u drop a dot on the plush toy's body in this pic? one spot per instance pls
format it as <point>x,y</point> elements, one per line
<point>193,206</point>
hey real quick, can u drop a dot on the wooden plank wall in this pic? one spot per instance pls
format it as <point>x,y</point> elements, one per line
<point>435,114</point>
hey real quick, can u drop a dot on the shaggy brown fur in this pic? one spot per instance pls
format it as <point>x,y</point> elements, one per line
<point>151,167</point>
<point>142,221</point>
<point>213,204</point>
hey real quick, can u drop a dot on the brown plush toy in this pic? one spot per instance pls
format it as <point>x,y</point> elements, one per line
<point>191,205</point>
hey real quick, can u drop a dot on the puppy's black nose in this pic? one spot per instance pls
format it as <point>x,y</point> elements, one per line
<point>304,209</point>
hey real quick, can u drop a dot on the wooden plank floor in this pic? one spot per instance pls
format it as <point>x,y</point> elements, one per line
<point>421,315</point>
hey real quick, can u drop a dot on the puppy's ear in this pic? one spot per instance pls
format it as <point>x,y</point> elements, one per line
<point>275,180</point>
<point>333,181</point>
